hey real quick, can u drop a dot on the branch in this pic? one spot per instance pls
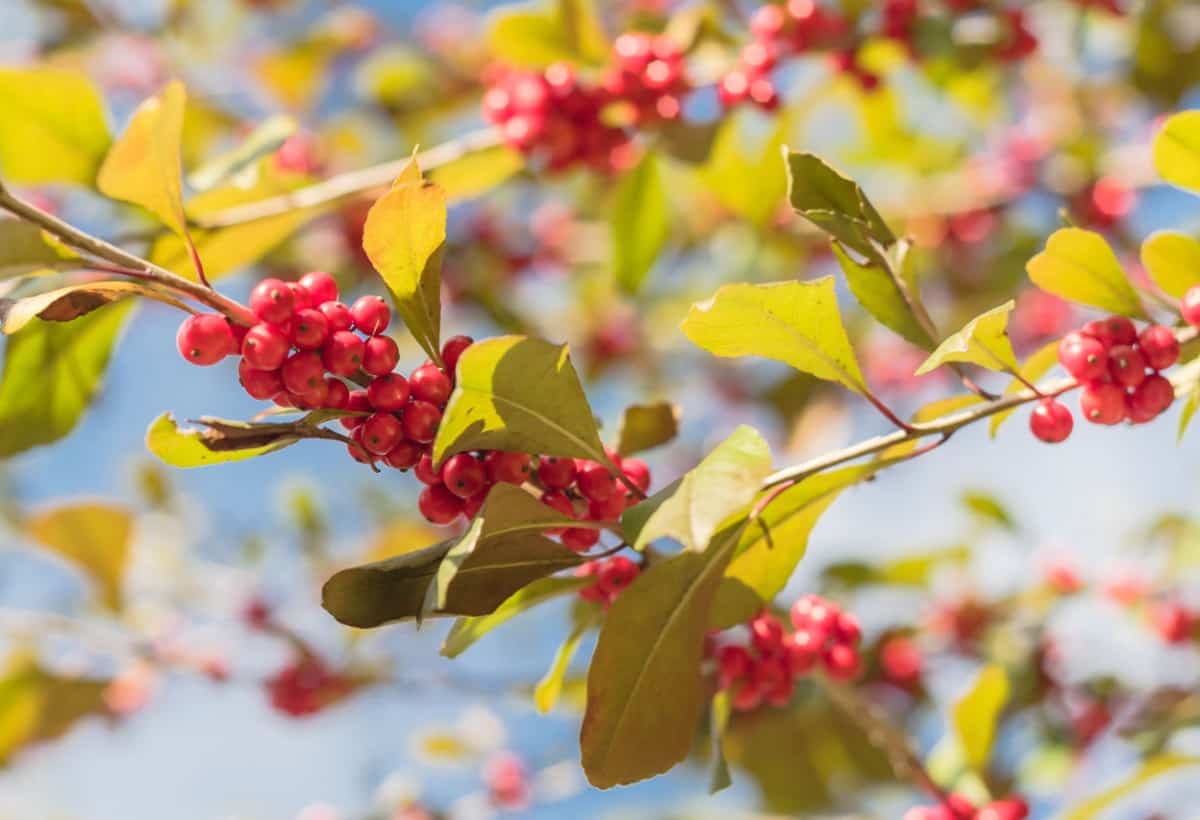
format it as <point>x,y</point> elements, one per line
<point>351,182</point>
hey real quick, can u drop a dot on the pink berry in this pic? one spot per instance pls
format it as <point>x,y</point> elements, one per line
<point>556,473</point>
<point>1160,347</point>
<point>337,397</point>
<point>767,22</point>
<point>580,539</point>
<point>1084,357</point>
<point>511,468</point>
<point>380,433</point>
<point>1152,397</point>
<point>1126,365</point>
<point>310,329</point>
<point>595,482</point>
<point>404,456</point>
<point>359,403</point>
<point>260,384</point>
<point>439,505</point>
<point>430,384</point>
<point>453,349</point>
<point>388,392</point>
<point>1190,306</point>
<point>421,420</point>
<point>464,475</point>
<point>265,347</point>
<point>272,301</point>
<point>371,315</point>
<point>1103,403</point>
<point>303,373</point>
<point>343,353</point>
<point>321,287</point>
<point>380,355</point>
<point>1051,421</point>
<point>205,339</point>
<point>338,316</point>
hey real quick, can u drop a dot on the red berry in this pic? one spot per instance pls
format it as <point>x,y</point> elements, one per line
<point>1172,622</point>
<point>303,373</point>
<point>371,315</point>
<point>310,329</point>
<point>343,353</point>
<point>1012,808</point>
<point>1190,306</point>
<point>453,349</point>
<point>272,301</point>
<point>580,539</point>
<point>559,501</point>
<point>842,661</point>
<point>1152,397</point>
<point>404,456</point>
<point>301,298</point>
<point>733,88</point>
<point>1084,357</point>
<point>358,402</point>
<point>1115,330</point>
<point>388,392</point>
<point>733,663</point>
<point>321,287</point>
<point>439,505</point>
<point>767,22</point>
<point>636,471</point>
<point>609,509</point>
<point>265,347</point>
<point>747,697</point>
<point>337,397</point>
<point>1103,403</point>
<point>556,473</point>
<point>380,355</point>
<point>314,399</point>
<point>338,316</point>
<point>430,384</point>
<point>595,482</point>
<point>766,633</point>
<point>847,629</point>
<point>1126,365</point>
<point>205,339</point>
<point>421,420</point>
<point>357,452</point>
<point>900,661</point>
<point>1160,347</point>
<point>511,468</point>
<point>464,475</point>
<point>472,505</point>
<point>380,433</point>
<point>1051,421</point>
<point>260,384</point>
<point>425,471</point>
<point>800,652</point>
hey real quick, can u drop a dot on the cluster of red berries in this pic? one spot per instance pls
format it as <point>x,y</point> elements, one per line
<point>612,576</point>
<point>765,670</point>
<point>958,807</point>
<point>648,74</point>
<point>306,686</point>
<point>1119,370</point>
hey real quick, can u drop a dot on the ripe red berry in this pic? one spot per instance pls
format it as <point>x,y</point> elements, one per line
<point>453,349</point>
<point>464,475</point>
<point>404,456</point>
<point>1152,397</point>
<point>314,399</point>
<point>357,452</point>
<point>800,652</point>
<point>430,384</point>
<point>421,420</point>
<point>265,347</point>
<point>1084,357</point>
<point>343,353</point>
<point>847,629</point>
<point>1159,346</point>
<point>358,402</point>
<point>301,298</point>
<point>338,316</point>
<point>321,287</point>
<point>310,329</point>
<point>260,384</point>
<point>1172,622</point>
<point>1190,306</point>
<point>559,501</point>
<point>272,301</point>
<point>511,468</point>
<point>768,22</point>
<point>1051,421</point>
<point>388,392</point>
<point>439,505</point>
<point>1126,365</point>
<point>556,473</point>
<point>580,539</point>
<point>371,315</point>
<point>337,396</point>
<point>1012,808</point>
<point>425,471</point>
<point>595,482</point>
<point>1103,403</point>
<point>766,633</point>
<point>472,505</point>
<point>380,355</point>
<point>1115,330</point>
<point>205,339</point>
<point>609,509</point>
<point>733,664</point>
<point>636,471</point>
<point>303,373</point>
<point>380,433</point>
<point>733,88</point>
<point>842,661</point>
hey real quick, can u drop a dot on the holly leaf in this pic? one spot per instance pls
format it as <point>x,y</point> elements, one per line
<point>27,249</point>
<point>223,443</point>
<point>467,630</point>
<point>545,694</point>
<point>1080,266</point>
<point>888,297</point>
<point>1173,261</point>
<point>1037,365</point>
<point>691,509</point>
<point>836,205</point>
<point>53,128</point>
<point>92,537</point>
<point>521,394</point>
<point>1177,150</point>
<point>403,237</point>
<point>646,426</point>
<point>638,224</point>
<point>144,167</point>
<point>983,341</point>
<point>976,714</point>
<point>52,370</point>
<point>797,323</point>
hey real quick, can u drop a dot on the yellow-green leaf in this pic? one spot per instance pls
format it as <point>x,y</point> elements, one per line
<point>983,341</point>
<point>1189,410</point>
<point>977,713</point>
<point>37,705</point>
<point>466,631</point>
<point>1080,266</point>
<point>888,298</point>
<point>793,322</point>
<point>645,426</point>
<point>750,183</point>
<point>26,249</point>
<point>639,223</point>
<point>187,448</point>
<point>1034,368</point>
<point>534,36</point>
<point>1177,150</point>
<point>1173,261</point>
<point>53,128</point>
<point>545,694</point>
<point>476,172</point>
<point>69,303</point>
<point>93,537</point>
<point>835,204</point>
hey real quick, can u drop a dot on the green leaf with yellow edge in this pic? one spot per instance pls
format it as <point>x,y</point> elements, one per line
<point>189,448</point>
<point>976,715</point>
<point>1080,266</point>
<point>143,166</point>
<point>536,35</point>
<point>69,303</point>
<point>521,394</point>
<point>748,182</point>
<point>54,127</point>
<point>645,693</point>
<point>1177,150</point>
<point>37,705</point>
<point>797,323</point>
<point>476,172</point>
<point>403,237</point>
<point>466,631</point>
<point>884,297</point>
<point>983,341</point>
<point>93,537</point>
<point>1037,365</point>
<point>1149,769</point>
<point>836,205</point>
<point>545,694</point>
<point>52,370</point>
<point>26,249</point>
<point>1173,261</point>
<point>691,509</point>
<point>720,710</point>
<point>638,223</point>
<point>646,426</point>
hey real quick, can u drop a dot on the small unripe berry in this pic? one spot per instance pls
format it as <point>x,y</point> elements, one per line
<point>260,384</point>
<point>1159,346</point>
<point>1190,306</point>
<point>358,402</point>
<point>265,347</point>
<point>380,355</point>
<point>337,397</point>
<point>425,471</point>
<point>380,433</point>
<point>439,505</point>
<point>310,329</point>
<point>272,301</point>
<point>453,349</point>
<point>371,315</point>
<point>580,539</point>
<point>1084,357</point>
<point>343,353</point>
<point>511,468</point>
<point>464,475</point>
<point>321,287</point>
<point>556,473</point>
<point>338,316</point>
<point>303,373</point>
<point>430,384</point>
<point>205,339</point>
<point>1051,421</point>
<point>1152,397</point>
<point>1126,365</point>
<point>595,482</point>
<point>1103,403</point>
<point>404,456</point>
<point>388,392</point>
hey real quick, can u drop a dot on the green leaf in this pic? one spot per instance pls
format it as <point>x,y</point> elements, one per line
<point>911,570</point>
<point>1080,266</point>
<point>836,205</point>
<point>144,167</point>
<point>27,249</point>
<point>638,223</point>
<point>466,631</point>
<point>691,509</point>
<point>987,507</point>
<point>476,172</point>
<point>1173,261</point>
<point>645,693</point>
<point>545,694</point>
<point>53,128</point>
<point>394,589</point>
<point>1177,150</point>
<point>200,448</point>
<point>1033,369</point>
<point>265,139</point>
<point>69,303</point>
<point>403,237</point>
<point>1149,769</point>
<point>51,372</point>
<point>646,426</point>
<point>719,713</point>
<point>983,341</point>
<point>797,323</point>
<point>977,713</point>
<point>886,297</point>
<point>92,536</point>
<point>521,394</point>
<point>750,184</point>
<point>1189,411</point>
<point>533,36</point>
